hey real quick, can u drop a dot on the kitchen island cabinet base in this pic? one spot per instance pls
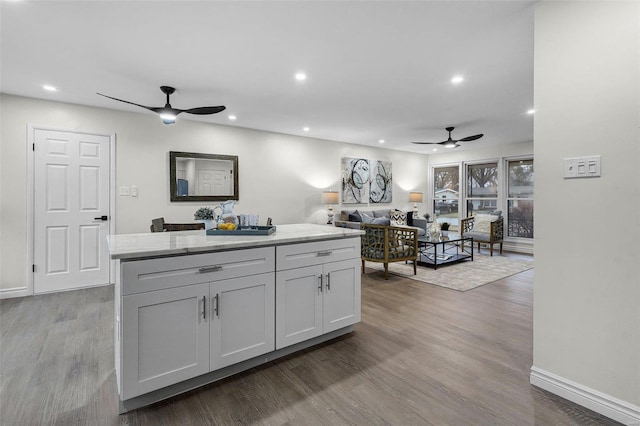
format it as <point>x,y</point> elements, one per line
<point>213,376</point>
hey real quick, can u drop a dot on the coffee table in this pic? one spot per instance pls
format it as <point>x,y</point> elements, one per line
<point>445,250</point>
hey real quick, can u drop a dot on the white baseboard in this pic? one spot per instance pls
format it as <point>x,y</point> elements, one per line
<point>7,293</point>
<point>517,247</point>
<point>606,405</point>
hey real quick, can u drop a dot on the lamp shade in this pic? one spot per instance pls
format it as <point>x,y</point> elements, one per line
<point>330,197</point>
<point>415,197</point>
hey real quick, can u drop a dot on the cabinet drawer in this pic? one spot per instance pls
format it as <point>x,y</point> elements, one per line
<point>153,274</point>
<point>308,254</point>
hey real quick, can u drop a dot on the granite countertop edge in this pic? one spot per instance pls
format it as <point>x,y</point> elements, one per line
<point>161,244</point>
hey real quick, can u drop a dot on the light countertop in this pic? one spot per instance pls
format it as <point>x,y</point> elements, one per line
<point>136,246</point>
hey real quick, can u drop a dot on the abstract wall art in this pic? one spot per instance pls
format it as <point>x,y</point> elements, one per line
<point>355,180</point>
<point>381,182</point>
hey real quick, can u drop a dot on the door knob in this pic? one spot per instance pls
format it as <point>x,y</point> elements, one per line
<point>101,218</point>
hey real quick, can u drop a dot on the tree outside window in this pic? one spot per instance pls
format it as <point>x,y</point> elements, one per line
<point>520,198</point>
<point>482,188</point>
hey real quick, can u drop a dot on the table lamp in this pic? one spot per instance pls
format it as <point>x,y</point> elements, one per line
<point>415,198</point>
<point>330,197</point>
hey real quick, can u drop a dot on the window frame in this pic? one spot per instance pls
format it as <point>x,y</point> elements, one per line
<point>499,178</point>
<point>432,188</point>
<point>507,198</point>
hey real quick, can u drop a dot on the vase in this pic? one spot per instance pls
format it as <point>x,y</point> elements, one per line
<point>208,223</point>
<point>434,231</point>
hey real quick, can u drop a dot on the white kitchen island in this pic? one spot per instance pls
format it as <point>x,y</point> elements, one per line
<point>191,308</point>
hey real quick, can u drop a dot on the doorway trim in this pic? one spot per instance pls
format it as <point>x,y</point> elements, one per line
<point>31,129</point>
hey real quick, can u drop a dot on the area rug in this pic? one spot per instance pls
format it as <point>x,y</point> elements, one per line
<point>461,276</point>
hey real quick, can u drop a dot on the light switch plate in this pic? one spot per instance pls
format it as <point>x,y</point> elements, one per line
<point>581,167</point>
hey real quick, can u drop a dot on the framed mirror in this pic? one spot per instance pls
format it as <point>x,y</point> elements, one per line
<point>203,177</point>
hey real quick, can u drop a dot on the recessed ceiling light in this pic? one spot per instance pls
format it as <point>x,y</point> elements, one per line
<point>306,129</point>
<point>300,76</point>
<point>435,149</point>
<point>49,88</point>
<point>381,141</point>
<point>232,117</point>
<point>457,79</point>
<point>531,111</point>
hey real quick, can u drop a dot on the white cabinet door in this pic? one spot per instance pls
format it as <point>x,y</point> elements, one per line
<point>341,304</point>
<point>166,339</point>
<point>242,319</point>
<point>298,305</point>
<point>316,300</point>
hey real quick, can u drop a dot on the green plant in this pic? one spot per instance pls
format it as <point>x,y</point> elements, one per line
<point>444,226</point>
<point>204,213</point>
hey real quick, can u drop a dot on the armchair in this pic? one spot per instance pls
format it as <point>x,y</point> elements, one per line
<point>384,244</point>
<point>483,228</point>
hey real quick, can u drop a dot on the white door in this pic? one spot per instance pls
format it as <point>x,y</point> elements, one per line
<point>213,182</point>
<point>71,210</point>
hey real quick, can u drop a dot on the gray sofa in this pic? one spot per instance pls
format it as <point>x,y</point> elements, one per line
<point>350,219</point>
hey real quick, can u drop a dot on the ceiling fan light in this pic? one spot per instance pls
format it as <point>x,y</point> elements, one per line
<point>168,118</point>
<point>450,145</point>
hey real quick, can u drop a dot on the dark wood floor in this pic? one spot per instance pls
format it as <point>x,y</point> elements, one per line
<point>422,355</point>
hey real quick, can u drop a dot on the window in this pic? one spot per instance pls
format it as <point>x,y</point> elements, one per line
<point>520,198</point>
<point>446,193</point>
<point>482,188</point>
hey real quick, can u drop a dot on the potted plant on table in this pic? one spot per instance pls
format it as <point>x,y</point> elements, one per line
<point>205,215</point>
<point>444,228</point>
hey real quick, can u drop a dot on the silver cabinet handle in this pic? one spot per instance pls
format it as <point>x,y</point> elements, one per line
<point>208,269</point>
<point>320,285</point>
<point>217,306</point>
<point>328,281</point>
<point>204,307</point>
<point>323,253</point>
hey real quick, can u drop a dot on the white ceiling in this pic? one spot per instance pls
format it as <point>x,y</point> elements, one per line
<point>376,69</point>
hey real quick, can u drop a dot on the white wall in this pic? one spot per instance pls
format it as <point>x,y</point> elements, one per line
<point>587,241</point>
<point>280,176</point>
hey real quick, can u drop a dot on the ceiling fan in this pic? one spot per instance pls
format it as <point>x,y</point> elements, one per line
<point>453,143</point>
<point>167,113</point>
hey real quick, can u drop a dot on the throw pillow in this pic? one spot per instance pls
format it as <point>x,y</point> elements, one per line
<point>482,222</point>
<point>398,218</point>
<point>381,221</point>
<point>344,214</point>
<point>355,217</point>
<point>366,218</point>
<point>410,218</point>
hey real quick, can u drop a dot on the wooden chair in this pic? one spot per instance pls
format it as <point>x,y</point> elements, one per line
<point>494,236</point>
<point>158,225</point>
<point>384,244</point>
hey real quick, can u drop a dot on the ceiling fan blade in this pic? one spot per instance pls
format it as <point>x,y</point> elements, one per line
<point>204,110</point>
<point>429,143</point>
<point>471,138</point>
<point>127,102</point>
